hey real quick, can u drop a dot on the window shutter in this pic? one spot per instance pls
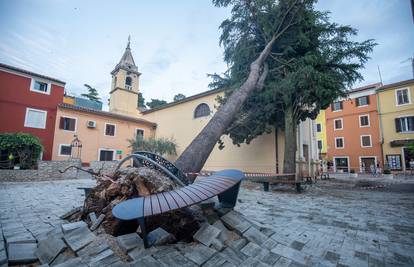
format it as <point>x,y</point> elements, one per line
<point>332,107</point>
<point>61,123</point>
<point>397,125</point>
<point>340,104</point>
<point>410,123</point>
<point>367,100</point>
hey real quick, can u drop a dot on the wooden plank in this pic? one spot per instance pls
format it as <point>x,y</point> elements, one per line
<point>202,191</point>
<point>163,203</point>
<point>147,206</point>
<point>155,205</point>
<point>191,195</point>
<point>225,182</point>
<point>216,186</point>
<point>194,193</point>
<point>184,196</point>
<point>170,200</point>
<point>178,199</point>
<point>214,191</point>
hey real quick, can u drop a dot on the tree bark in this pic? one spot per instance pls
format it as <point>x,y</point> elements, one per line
<point>196,154</point>
<point>289,160</point>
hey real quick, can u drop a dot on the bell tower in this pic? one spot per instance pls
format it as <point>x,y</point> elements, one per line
<point>125,85</point>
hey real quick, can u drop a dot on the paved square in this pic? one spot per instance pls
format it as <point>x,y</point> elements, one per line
<point>322,227</point>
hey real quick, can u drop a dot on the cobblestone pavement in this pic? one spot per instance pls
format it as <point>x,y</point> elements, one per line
<point>321,227</point>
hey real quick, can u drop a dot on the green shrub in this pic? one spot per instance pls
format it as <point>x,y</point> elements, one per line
<point>21,149</point>
<point>160,146</point>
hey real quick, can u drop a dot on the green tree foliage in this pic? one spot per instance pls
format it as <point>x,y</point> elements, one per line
<point>160,146</point>
<point>92,94</point>
<point>156,103</point>
<point>310,65</point>
<point>178,97</point>
<point>21,148</point>
<point>141,100</point>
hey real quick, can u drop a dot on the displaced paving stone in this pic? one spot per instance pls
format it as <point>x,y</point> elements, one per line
<point>206,234</point>
<point>66,228</point>
<point>92,217</point>
<point>147,261</point>
<point>129,241</point>
<point>217,244</point>
<point>70,213</point>
<point>251,249</point>
<point>65,256</point>
<point>92,249</point>
<point>238,244</point>
<point>79,238</point>
<point>98,222</point>
<point>75,262</point>
<point>255,236</point>
<point>104,258</point>
<point>235,221</point>
<point>159,237</point>
<point>175,259</point>
<point>20,253</point>
<point>199,253</point>
<point>49,249</point>
<point>216,260</point>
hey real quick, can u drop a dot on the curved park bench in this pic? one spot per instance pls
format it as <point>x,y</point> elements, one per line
<point>274,178</point>
<point>224,184</point>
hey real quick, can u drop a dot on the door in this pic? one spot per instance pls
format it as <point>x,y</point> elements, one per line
<point>408,159</point>
<point>366,163</point>
<point>106,155</point>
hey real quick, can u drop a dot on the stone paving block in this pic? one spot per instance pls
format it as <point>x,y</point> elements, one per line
<point>140,252</point>
<point>267,257</point>
<point>147,261</point>
<point>66,255</point>
<point>234,220</point>
<point>71,212</point>
<point>98,222</point>
<point>175,259</point>
<point>159,237</point>
<point>255,236</point>
<point>3,256</point>
<point>92,217</point>
<point>19,253</point>
<point>233,256</point>
<point>269,244</point>
<point>250,262</point>
<point>129,241</point>
<point>297,245</point>
<point>332,256</point>
<point>22,237</point>
<point>283,262</point>
<point>251,249</point>
<point>216,260</point>
<point>92,249</point>
<point>238,244</point>
<point>206,234</point>
<point>49,249</point>
<point>291,253</point>
<point>199,253</point>
<point>217,244</point>
<point>104,258</point>
<point>75,262</point>
<point>66,228</point>
<point>225,235</point>
<point>79,238</point>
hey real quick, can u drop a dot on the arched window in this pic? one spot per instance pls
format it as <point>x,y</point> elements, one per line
<point>201,110</point>
<point>128,83</point>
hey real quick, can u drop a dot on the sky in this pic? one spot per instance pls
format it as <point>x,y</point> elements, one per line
<point>175,44</point>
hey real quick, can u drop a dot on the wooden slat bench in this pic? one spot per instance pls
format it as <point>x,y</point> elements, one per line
<point>274,178</point>
<point>224,184</point>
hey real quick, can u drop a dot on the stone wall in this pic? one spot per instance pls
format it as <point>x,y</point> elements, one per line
<point>104,167</point>
<point>47,170</point>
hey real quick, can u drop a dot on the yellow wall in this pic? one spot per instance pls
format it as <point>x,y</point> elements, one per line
<point>124,101</point>
<point>69,100</point>
<point>388,111</point>
<point>322,135</point>
<point>94,139</point>
<point>178,122</point>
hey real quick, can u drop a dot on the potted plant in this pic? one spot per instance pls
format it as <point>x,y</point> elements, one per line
<point>353,173</point>
<point>387,174</point>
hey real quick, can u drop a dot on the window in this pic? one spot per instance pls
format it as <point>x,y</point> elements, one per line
<point>364,121</point>
<point>35,118</point>
<point>366,141</point>
<point>202,110</point>
<point>362,101</point>
<point>320,144</point>
<point>110,129</point>
<point>404,124</point>
<point>336,106</point>
<point>67,124</point>
<point>339,142</point>
<point>402,96</point>
<point>40,87</point>
<point>139,133</point>
<point>341,164</point>
<point>106,155</point>
<point>65,150</point>
<point>128,83</point>
<point>394,162</point>
<point>318,127</point>
<point>338,124</point>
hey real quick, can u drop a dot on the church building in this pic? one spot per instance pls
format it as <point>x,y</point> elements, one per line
<point>105,135</point>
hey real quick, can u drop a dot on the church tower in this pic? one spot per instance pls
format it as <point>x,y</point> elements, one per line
<point>125,85</point>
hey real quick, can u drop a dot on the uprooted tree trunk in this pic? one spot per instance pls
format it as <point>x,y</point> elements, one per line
<point>195,155</point>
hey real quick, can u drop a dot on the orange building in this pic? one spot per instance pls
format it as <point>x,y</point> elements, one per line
<point>353,133</point>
